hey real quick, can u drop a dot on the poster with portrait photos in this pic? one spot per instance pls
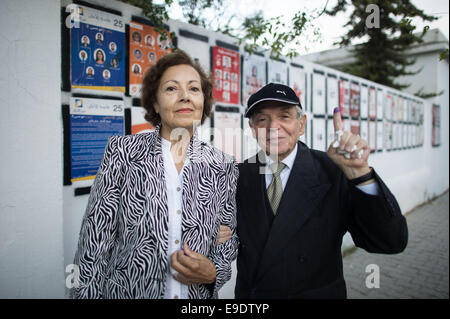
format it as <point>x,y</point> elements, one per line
<point>355,99</point>
<point>372,103</point>
<point>92,122</point>
<point>364,101</point>
<point>97,51</point>
<point>226,75</point>
<point>344,97</point>
<point>146,47</point>
<point>372,135</point>
<point>253,75</point>
<point>228,132</point>
<point>332,94</point>
<point>277,72</point>
<point>318,94</point>
<point>319,134</point>
<point>297,77</point>
<point>138,122</point>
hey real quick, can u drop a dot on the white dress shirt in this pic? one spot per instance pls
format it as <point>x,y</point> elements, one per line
<point>174,184</point>
<point>371,189</point>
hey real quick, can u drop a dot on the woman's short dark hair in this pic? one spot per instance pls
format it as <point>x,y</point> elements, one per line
<point>153,76</point>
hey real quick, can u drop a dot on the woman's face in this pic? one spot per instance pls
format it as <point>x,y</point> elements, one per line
<point>99,55</point>
<point>179,100</point>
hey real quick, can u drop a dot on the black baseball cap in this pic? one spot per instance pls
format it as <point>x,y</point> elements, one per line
<point>272,92</point>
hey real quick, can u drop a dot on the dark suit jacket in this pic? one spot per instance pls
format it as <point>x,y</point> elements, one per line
<point>298,254</point>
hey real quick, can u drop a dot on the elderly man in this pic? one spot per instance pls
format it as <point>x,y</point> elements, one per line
<point>295,204</point>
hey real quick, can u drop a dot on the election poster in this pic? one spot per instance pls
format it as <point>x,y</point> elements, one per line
<point>147,46</point>
<point>138,122</point>
<point>388,106</point>
<point>364,101</point>
<point>226,69</point>
<point>278,72</point>
<point>332,94</point>
<point>250,145</point>
<point>436,125</point>
<point>227,132</point>
<point>97,51</point>
<point>380,103</point>
<point>344,97</point>
<point>355,93</point>
<point>372,103</point>
<point>298,84</point>
<point>318,134</point>
<point>380,135</point>
<point>364,130</point>
<point>355,127</point>
<point>318,99</point>
<point>92,122</point>
<point>253,75</point>
<point>197,46</point>
<point>372,135</point>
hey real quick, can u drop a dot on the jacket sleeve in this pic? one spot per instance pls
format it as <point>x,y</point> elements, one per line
<point>376,223</point>
<point>222,255</point>
<point>98,227</point>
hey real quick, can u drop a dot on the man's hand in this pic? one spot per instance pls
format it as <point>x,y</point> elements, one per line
<point>225,234</point>
<point>349,151</point>
<point>192,267</point>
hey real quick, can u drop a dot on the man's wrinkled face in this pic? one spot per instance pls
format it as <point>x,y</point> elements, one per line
<point>277,128</point>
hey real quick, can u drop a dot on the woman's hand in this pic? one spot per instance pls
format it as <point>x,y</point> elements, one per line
<point>225,234</point>
<point>192,267</point>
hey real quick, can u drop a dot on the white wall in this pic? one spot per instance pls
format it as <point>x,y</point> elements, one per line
<point>31,235</point>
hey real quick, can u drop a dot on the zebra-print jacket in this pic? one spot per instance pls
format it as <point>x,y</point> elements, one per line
<point>123,244</point>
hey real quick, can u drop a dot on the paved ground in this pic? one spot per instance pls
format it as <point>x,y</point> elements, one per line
<point>421,271</point>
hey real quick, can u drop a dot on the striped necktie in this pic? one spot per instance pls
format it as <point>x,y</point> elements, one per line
<point>275,189</point>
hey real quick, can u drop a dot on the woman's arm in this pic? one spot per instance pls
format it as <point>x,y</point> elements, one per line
<point>99,225</point>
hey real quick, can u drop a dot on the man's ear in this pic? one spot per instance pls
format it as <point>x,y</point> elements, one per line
<point>250,123</point>
<point>302,125</point>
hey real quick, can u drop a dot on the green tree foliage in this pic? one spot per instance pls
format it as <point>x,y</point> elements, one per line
<point>382,57</point>
<point>257,33</point>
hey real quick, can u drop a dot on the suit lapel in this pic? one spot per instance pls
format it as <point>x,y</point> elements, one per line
<point>301,195</point>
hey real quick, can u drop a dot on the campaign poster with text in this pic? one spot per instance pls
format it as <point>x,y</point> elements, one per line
<point>98,51</point>
<point>253,75</point>
<point>92,122</point>
<point>146,47</point>
<point>226,68</point>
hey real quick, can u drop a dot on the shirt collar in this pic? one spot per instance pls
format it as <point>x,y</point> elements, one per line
<point>288,161</point>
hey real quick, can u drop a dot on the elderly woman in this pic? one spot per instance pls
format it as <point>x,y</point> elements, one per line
<point>158,200</point>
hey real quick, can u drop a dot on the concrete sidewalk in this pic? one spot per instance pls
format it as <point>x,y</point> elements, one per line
<point>421,271</point>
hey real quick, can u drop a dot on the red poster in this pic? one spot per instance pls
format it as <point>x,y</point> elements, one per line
<point>226,68</point>
<point>146,47</point>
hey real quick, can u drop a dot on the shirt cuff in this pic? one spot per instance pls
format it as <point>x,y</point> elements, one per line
<point>370,189</point>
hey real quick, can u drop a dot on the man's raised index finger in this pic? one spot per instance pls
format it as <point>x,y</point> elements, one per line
<point>337,121</point>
